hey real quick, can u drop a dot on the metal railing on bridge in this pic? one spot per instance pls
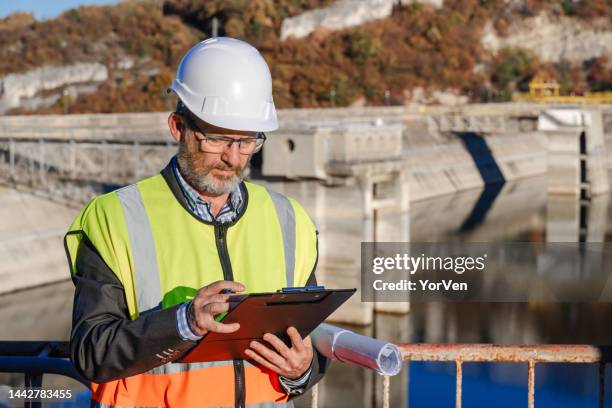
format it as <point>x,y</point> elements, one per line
<point>35,359</point>
<point>74,171</point>
<point>530,354</point>
<point>480,353</point>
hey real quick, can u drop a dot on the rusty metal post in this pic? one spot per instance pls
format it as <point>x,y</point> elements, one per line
<point>314,396</point>
<point>531,385</point>
<point>459,384</point>
<point>602,385</point>
<point>386,383</point>
<point>407,361</point>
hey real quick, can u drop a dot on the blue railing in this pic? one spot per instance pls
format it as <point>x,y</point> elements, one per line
<point>35,359</point>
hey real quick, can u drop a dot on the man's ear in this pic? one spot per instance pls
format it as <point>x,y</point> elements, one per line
<point>176,124</point>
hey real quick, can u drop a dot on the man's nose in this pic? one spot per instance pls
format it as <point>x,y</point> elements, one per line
<point>231,154</point>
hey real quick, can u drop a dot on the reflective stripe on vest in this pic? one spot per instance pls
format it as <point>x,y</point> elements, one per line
<point>173,368</point>
<point>286,217</point>
<point>146,273</point>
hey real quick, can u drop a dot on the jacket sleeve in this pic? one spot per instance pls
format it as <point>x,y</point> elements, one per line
<point>105,343</point>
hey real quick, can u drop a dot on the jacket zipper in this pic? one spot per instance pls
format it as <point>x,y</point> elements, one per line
<point>228,274</point>
<point>239,384</point>
<point>221,240</point>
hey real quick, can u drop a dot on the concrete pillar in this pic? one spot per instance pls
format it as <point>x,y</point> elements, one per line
<point>562,218</point>
<point>344,270</point>
<point>597,172</point>
<point>576,152</point>
<point>578,178</point>
<point>320,206</point>
<point>571,220</point>
<point>597,218</point>
<point>402,186</point>
<point>393,226</point>
<point>366,188</point>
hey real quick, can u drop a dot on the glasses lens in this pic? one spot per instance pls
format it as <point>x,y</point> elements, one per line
<point>247,145</point>
<point>215,143</point>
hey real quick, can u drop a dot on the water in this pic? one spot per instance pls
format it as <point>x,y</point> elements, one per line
<point>504,385</point>
<point>520,212</point>
<point>511,212</point>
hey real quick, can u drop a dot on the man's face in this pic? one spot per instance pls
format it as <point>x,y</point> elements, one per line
<point>212,173</point>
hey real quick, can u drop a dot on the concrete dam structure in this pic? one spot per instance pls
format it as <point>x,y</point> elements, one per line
<point>345,165</point>
<point>485,173</point>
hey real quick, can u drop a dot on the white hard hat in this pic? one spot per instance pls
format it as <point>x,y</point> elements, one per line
<point>227,83</point>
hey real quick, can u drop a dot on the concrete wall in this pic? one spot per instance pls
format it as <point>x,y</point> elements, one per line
<point>31,240</point>
<point>444,168</point>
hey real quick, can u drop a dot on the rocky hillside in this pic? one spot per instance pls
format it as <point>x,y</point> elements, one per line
<point>121,58</point>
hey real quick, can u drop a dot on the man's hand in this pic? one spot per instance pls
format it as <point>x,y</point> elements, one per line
<point>208,303</point>
<point>291,362</point>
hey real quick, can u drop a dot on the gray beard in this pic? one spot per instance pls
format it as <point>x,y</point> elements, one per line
<point>205,183</point>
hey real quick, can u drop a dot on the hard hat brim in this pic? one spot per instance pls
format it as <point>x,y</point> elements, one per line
<point>207,109</point>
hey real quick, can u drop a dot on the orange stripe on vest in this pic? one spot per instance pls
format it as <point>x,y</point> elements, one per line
<point>207,387</point>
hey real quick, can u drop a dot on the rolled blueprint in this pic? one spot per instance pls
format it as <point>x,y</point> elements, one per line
<point>344,345</point>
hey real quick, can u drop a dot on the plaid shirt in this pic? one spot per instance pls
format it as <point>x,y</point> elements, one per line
<point>201,208</point>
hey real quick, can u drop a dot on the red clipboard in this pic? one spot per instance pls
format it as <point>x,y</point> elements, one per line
<point>261,313</point>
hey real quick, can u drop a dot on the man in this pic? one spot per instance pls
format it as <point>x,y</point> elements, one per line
<point>153,262</point>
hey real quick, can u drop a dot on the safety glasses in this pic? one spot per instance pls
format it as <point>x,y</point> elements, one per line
<point>217,143</point>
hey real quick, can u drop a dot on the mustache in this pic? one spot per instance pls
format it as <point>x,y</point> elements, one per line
<point>223,166</point>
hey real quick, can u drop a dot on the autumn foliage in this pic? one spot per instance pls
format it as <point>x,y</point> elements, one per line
<point>379,62</point>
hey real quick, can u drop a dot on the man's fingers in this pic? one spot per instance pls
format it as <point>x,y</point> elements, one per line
<point>218,327</point>
<point>216,308</point>
<point>268,354</point>
<point>278,344</point>
<point>218,286</point>
<point>252,354</point>
<point>296,339</point>
<point>218,298</point>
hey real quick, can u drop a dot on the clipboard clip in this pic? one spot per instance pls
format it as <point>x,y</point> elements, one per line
<point>301,289</point>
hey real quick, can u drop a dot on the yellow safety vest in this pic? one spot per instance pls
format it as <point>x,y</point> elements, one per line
<point>163,254</point>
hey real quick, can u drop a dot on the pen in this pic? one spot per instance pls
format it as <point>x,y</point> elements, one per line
<point>220,316</point>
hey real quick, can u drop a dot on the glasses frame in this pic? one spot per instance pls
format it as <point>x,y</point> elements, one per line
<point>259,136</point>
